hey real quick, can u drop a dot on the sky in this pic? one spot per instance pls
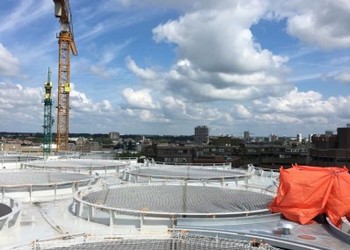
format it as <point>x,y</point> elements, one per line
<point>163,67</point>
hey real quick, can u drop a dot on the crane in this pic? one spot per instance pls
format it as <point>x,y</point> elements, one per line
<point>48,119</point>
<point>66,45</point>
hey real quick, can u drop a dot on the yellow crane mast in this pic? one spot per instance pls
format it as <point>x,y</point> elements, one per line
<point>66,45</point>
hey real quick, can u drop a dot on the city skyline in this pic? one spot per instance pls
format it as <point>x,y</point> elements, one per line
<point>165,67</point>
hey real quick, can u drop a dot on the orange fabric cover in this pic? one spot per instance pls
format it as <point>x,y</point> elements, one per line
<point>307,191</point>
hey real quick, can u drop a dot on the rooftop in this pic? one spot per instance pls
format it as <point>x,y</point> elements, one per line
<point>57,220</point>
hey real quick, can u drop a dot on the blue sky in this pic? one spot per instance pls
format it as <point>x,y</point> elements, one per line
<point>165,66</point>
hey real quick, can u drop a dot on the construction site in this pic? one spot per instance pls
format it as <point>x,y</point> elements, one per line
<point>66,201</point>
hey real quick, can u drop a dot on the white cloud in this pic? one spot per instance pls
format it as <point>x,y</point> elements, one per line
<point>190,82</point>
<point>17,96</point>
<point>173,104</point>
<point>149,116</point>
<point>81,103</point>
<point>9,65</point>
<point>342,104</point>
<point>180,109</point>
<point>218,57</point>
<point>219,40</point>
<point>324,24</point>
<point>343,76</point>
<point>278,118</point>
<point>146,74</point>
<point>88,115</point>
<point>241,112</point>
<point>297,103</point>
<point>144,115</point>
<point>257,78</point>
<point>20,107</point>
<point>139,99</point>
<point>307,112</point>
<point>106,105</point>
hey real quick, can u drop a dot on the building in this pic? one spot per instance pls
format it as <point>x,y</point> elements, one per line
<point>299,138</point>
<point>273,138</point>
<point>169,153</point>
<point>201,135</point>
<point>246,135</point>
<point>331,149</point>
<point>114,136</point>
<point>260,154</point>
<point>273,155</point>
<point>15,147</point>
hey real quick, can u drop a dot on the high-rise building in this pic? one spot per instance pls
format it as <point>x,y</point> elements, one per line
<point>299,137</point>
<point>273,138</point>
<point>114,136</point>
<point>201,135</point>
<point>246,135</point>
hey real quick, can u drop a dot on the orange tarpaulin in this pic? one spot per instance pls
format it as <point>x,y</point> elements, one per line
<point>307,191</point>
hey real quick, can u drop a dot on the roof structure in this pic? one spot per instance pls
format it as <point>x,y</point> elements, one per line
<point>10,179</point>
<point>187,173</point>
<point>112,212</point>
<point>180,199</point>
<point>175,240</point>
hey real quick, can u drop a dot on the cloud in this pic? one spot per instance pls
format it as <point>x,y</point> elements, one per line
<point>9,65</point>
<point>184,80</point>
<point>343,77</point>
<point>146,74</point>
<point>298,103</point>
<point>278,118</point>
<point>342,104</point>
<point>218,57</point>
<point>256,78</point>
<point>324,24</point>
<point>242,112</point>
<point>181,110</point>
<point>149,116</point>
<point>20,107</point>
<point>219,40</point>
<point>88,115</point>
<point>18,96</point>
<point>139,99</point>
<point>299,111</point>
<point>145,115</point>
<point>80,102</point>
<point>174,105</point>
